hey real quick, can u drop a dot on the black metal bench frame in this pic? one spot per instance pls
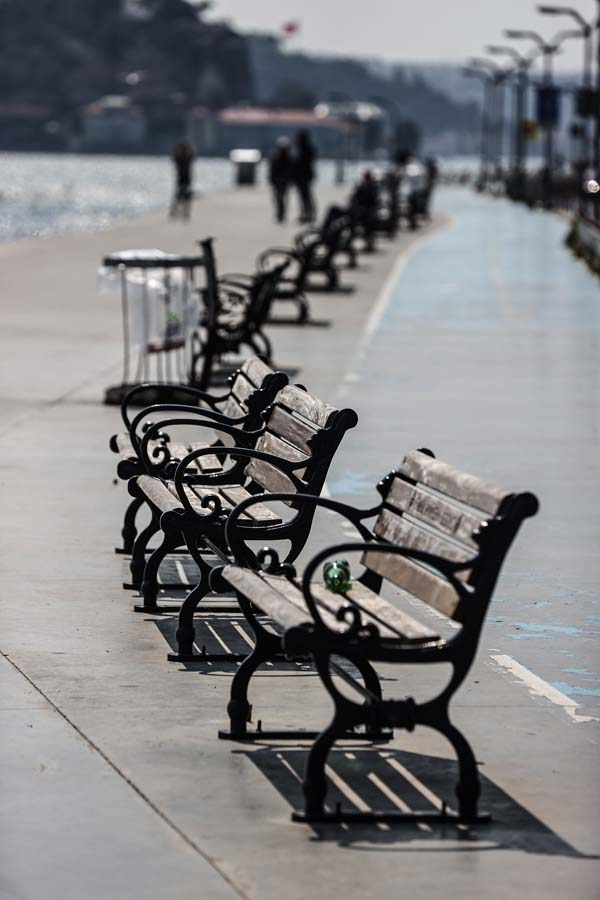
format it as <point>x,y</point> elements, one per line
<point>250,420</point>
<point>362,645</point>
<point>204,535</point>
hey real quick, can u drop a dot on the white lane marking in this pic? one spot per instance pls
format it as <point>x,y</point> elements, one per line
<point>181,572</point>
<point>418,785</point>
<point>539,688</point>
<point>391,795</point>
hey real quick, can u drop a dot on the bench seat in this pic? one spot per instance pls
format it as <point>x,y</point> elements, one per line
<point>283,601</point>
<point>163,495</point>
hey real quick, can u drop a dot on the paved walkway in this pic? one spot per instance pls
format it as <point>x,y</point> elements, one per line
<point>479,340</point>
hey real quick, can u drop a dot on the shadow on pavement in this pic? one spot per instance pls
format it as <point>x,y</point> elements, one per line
<point>363,779</point>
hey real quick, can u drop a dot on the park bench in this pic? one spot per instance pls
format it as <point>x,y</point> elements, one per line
<point>252,389</point>
<point>313,253</point>
<point>234,311</point>
<point>292,452</point>
<point>440,538</point>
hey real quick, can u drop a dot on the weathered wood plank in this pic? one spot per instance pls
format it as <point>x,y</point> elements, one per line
<point>256,370</point>
<point>453,482</point>
<point>303,403</point>
<point>158,493</point>
<point>268,598</point>
<point>270,443</point>
<point>418,581</point>
<point>391,622</point>
<point>433,510</point>
<point>268,477</point>
<point>258,513</point>
<point>208,464</point>
<point>291,429</point>
<point>398,530</point>
<point>242,389</point>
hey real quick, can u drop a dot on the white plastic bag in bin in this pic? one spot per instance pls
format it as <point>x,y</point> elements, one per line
<point>162,308</point>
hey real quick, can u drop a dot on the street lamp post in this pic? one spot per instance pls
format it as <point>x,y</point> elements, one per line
<point>547,51</point>
<point>585,33</point>
<point>485,71</point>
<point>522,64</point>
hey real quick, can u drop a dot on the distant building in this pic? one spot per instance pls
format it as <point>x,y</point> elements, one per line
<point>257,127</point>
<point>113,123</point>
<point>28,126</point>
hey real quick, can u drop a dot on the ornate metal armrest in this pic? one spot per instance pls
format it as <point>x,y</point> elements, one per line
<point>193,392</point>
<point>155,463</point>
<point>209,414</point>
<point>235,532</point>
<point>242,455</point>
<point>286,252</point>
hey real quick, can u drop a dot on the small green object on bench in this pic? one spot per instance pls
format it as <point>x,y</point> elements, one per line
<point>336,576</point>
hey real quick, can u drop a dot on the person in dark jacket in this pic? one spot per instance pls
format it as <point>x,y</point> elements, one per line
<point>364,201</point>
<point>280,176</point>
<point>304,175</point>
<point>183,158</point>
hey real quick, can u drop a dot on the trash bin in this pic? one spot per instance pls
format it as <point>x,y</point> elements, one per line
<point>246,163</point>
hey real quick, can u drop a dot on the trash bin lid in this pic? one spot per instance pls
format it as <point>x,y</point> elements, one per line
<point>245,156</point>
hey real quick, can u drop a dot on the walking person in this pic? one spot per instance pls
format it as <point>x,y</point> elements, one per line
<point>304,174</point>
<point>280,176</point>
<point>183,158</point>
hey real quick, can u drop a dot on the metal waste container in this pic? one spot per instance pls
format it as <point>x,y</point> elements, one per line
<point>246,164</point>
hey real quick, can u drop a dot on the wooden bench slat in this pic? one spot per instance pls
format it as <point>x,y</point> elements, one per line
<point>428,586</point>
<point>158,493</point>
<point>391,622</point>
<point>398,530</point>
<point>259,513</point>
<point>208,464</point>
<point>434,511</point>
<point>124,446</point>
<point>242,389</point>
<point>269,478</point>
<point>255,370</point>
<point>469,489</point>
<point>305,404</point>
<point>291,429</point>
<point>267,598</point>
<point>270,443</point>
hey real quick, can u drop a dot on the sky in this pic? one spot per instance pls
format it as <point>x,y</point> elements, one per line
<point>431,30</point>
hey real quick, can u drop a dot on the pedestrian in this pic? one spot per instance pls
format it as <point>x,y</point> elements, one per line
<point>364,202</point>
<point>304,174</point>
<point>280,176</point>
<point>183,158</point>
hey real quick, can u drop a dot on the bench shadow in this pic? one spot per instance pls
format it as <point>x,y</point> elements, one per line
<point>387,780</point>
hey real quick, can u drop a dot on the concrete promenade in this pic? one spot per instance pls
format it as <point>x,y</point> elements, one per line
<point>478,338</point>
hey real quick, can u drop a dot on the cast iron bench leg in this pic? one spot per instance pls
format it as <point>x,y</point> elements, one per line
<point>138,556</point>
<point>129,531</point>
<point>149,589</point>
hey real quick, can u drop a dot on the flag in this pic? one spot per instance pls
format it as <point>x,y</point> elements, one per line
<point>289,29</point>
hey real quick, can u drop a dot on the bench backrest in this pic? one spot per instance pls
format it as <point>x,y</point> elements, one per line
<point>299,425</point>
<point>262,293</point>
<point>433,507</point>
<point>253,388</point>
